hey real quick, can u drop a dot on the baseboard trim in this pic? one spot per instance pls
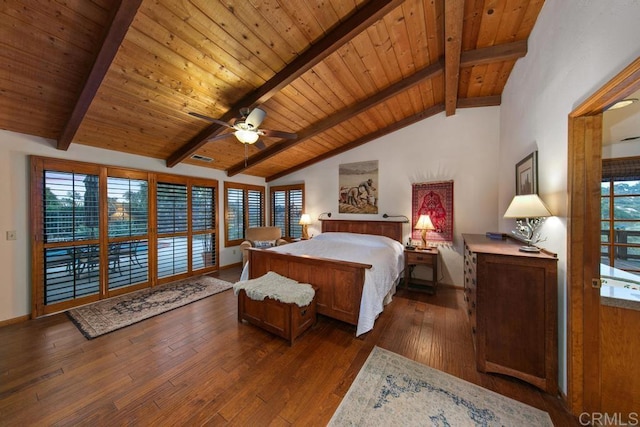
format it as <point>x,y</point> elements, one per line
<point>15,320</point>
<point>228,266</point>
<point>447,285</point>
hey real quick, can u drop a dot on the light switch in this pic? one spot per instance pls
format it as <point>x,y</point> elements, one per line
<point>11,235</point>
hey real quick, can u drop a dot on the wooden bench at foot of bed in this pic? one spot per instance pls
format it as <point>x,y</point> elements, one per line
<point>338,283</point>
<point>285,320</point>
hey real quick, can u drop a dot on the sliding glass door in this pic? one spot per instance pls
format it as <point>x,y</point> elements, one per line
<point>204,241</point>
<point>186,224</point>
<point>172,208</point>
<point>100,231</point>
<point>128,230</point>
<point>69,238</point>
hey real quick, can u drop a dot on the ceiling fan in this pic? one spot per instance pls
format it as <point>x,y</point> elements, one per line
<point>246,128</point>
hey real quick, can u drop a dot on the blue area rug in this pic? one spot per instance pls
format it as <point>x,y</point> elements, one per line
<point>393,390</point>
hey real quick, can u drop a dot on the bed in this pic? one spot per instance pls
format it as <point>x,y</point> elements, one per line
<point>355,277</point>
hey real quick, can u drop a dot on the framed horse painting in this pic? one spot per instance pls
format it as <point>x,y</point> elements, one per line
<point>358,182</point>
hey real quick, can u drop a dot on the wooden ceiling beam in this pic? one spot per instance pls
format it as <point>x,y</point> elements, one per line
<point>428,72</point>
<point>118,28</point>
<point>453,23</point>
<point>370,13</point>
<point>479,101</point>
<point>497,53</point>
<point>432,111</point>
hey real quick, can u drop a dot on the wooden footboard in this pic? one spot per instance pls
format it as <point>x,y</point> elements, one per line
<point>339,283</point>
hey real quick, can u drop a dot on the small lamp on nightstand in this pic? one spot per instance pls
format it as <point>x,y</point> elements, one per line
<point>305,220</point>
<point>424,223</point>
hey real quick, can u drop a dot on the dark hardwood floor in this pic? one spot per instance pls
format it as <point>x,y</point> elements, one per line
<point>197,365</point>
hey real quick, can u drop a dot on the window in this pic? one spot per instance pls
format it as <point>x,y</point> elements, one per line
<point>287,205</point>
<point>128,219</point>
<point>100,231</point>
<point>620,213</point>
<point>172,208</point>
<point>70,230</point>
<point>203,226</point>
<point>244,208</point>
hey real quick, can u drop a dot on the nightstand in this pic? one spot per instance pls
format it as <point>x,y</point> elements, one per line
<point>427,257</point>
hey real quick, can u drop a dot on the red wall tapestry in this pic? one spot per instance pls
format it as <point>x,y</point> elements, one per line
<point>436,200</point>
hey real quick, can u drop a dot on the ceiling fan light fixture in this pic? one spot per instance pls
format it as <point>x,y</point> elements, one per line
<point>246,136</point>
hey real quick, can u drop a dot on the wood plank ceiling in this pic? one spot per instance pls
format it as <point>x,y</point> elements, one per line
<point>339,73</point>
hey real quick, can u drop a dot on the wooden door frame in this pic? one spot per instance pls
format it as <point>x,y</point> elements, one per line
<point>583,238</point>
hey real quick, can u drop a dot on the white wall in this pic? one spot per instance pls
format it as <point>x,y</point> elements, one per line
<point>462,148</point>
<point>575,48</point>
<point>15,260</point>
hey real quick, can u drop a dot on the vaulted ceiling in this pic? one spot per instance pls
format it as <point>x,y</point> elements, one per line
<point>125,75</point>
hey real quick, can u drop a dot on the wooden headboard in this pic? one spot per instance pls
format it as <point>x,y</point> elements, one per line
<point>391,229</point>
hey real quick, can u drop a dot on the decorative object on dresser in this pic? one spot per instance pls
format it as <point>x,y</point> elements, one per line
<point>530,212</point>
<point>305,220</point>
<point>428,258</point>
<point>436,200</point>
<point>527,175</point>
<point>512,306</point>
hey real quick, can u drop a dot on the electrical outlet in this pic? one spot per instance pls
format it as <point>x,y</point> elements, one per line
<point>11,235</point>
<point>234,251</point>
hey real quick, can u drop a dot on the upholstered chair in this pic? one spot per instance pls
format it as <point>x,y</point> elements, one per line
<point>261,237</point>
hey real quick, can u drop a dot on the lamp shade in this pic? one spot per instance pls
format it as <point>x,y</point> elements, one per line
<point>424,223</point>
<point>527,206</point>
<point>305,219</point>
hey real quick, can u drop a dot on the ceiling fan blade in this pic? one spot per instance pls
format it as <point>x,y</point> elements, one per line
<point>255,118</point>
<point>278,134</point>
<point>209,119</point>
<point>260,145</point>
<point>218,137</point>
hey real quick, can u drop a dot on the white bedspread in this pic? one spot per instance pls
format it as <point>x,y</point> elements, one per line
<point>384,254</point>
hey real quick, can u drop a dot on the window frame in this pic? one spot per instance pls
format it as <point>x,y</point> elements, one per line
<point>286,232</point>
<point>245,188</point>
<point>616,171</point>
<point>40,165</point>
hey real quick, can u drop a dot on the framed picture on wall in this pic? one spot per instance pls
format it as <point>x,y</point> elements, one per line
<point>358,183</point>
<point>527,175</point>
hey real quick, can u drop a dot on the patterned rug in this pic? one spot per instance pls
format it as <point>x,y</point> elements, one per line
<point>114,313</point>
<point>393,390</point>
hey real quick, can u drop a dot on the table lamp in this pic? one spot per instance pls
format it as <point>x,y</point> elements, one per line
<point>305,220</point>
<point>424,223</point>
<point>530,212</point>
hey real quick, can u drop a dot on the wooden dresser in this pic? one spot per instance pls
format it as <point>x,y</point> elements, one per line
<point>512,305</point>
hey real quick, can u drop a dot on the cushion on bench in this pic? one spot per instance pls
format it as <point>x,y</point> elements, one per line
<point>277,287</point>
